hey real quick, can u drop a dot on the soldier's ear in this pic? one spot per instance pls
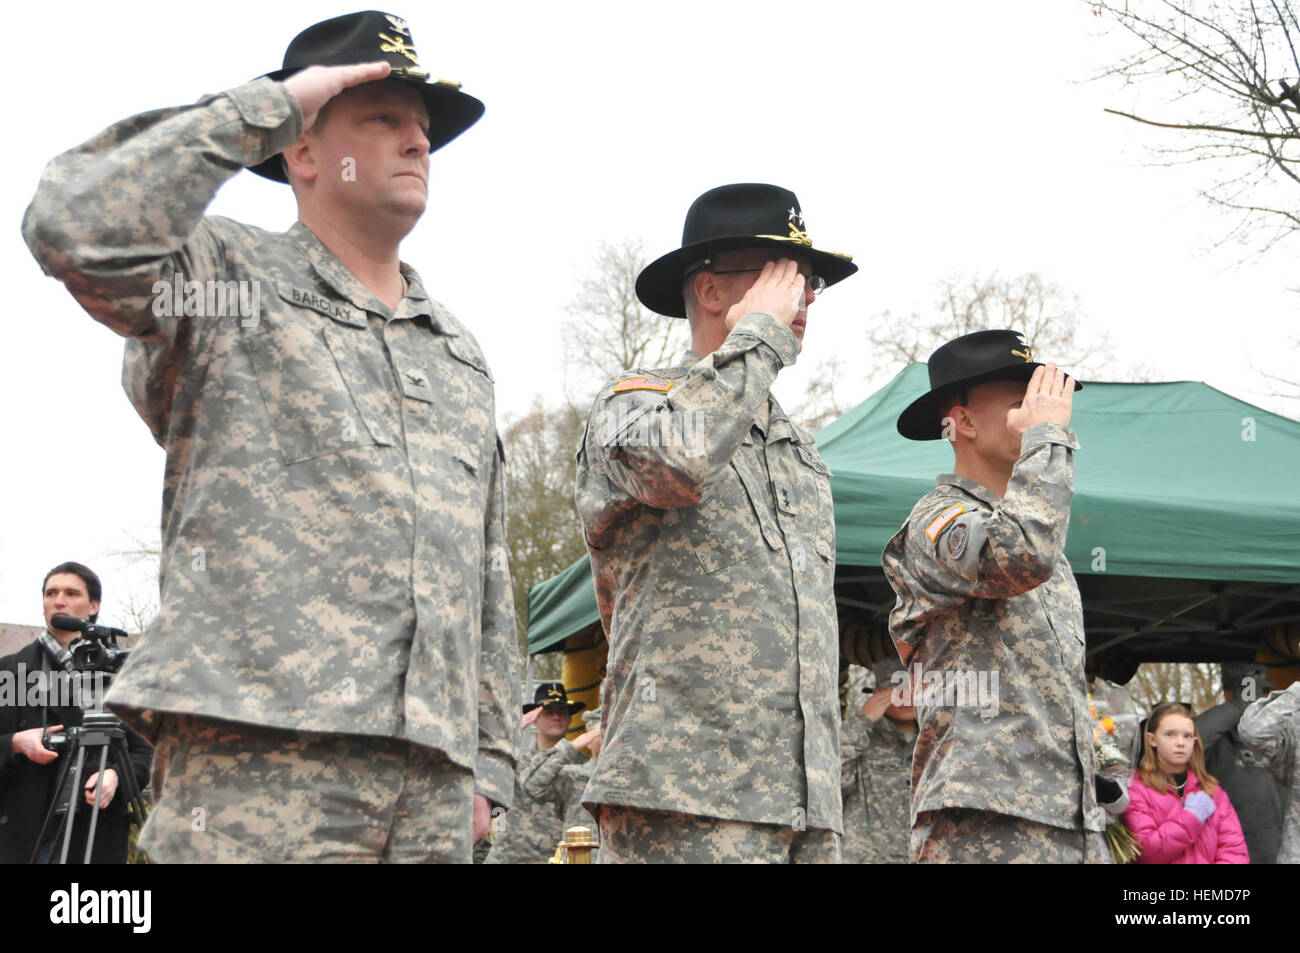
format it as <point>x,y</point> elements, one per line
<point>300,161</point>
<point>708,292</point>
<point>957,419</point>
<point>963,419</point>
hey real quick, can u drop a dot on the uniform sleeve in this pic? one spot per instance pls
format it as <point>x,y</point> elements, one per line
<point>855,739</point>
<point>1163,838</point>
<point>498,698</point>
<point>1231,847</point>
<point>117,214</point>
<point>665,448</point>
<point>1270,726</point>
<point>542,778</point>
<point>952,550</point>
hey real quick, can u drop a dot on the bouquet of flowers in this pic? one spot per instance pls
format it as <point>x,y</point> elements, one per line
<point>1111,763</point>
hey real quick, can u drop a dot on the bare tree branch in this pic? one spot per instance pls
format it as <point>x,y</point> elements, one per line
<point>1202,126</point>
<point>609,331</point>
<point>1050,317</point>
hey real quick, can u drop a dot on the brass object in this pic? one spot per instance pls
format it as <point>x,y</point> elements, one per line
<point>575,848</point>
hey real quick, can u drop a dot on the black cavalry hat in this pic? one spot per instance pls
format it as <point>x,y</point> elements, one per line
<point>971,359</point>
<point>553,693</point>
<point>368,37</point>
<point>749,215</point>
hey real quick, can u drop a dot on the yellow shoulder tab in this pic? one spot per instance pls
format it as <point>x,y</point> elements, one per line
<point>943,519</point>
<point>642,383</point>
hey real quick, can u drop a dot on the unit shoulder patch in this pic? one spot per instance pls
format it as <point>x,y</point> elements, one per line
<point>956,540</point>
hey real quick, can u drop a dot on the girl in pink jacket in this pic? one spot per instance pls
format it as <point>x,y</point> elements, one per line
<point>1177,811</point>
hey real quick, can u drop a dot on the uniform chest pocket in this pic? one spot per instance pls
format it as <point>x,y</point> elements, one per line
<point>310,377</point>
<point>815,477</point>
<point>732,523</point>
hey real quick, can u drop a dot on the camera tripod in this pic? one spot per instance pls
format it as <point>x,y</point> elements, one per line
<point>103,733</point>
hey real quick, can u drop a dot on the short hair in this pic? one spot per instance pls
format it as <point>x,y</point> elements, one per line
<point>1235,675</point>
<point>953,397</point>
<point>93,587</point>
<point>946,401</point>
<point>689,301</point>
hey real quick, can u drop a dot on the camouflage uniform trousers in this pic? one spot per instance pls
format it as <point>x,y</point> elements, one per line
<point>965,836</point>
<point>236,793</point>
<point>635,836</point>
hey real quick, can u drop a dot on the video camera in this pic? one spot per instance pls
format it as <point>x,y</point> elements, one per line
<point>95,650</point>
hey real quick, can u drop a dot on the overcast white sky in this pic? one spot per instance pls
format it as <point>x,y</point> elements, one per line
<point>925,139</point>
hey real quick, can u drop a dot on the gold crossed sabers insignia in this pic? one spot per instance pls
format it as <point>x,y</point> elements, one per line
<point>391,45</point>
<point>796,235</point>
<point>1027,354</point>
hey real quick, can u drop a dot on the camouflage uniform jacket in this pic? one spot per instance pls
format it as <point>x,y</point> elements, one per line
<point>1271,726</point>
<point>712,544</point>
<point>333,507</point>
<point>984,590</point>
<point>876,771</point>
<point>562,779</point>
<point>529,832</point>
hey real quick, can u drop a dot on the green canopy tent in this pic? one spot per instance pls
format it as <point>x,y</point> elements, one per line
<point>1184,533</point>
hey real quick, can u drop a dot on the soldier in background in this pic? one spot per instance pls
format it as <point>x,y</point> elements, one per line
<point>708,516</point>
<point>528,834</point>
<point>985,592</point>
<point>1257,797</point>
<point>562,778</point>
<point>332,674</point>
<point>876,772</point>
<point>1271,727</point>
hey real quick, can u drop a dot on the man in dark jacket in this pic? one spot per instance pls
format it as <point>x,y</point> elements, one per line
<point>1260,801</point>
<point>37,693</point>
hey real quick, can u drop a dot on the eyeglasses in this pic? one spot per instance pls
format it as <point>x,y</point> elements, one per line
<point>815,282</point>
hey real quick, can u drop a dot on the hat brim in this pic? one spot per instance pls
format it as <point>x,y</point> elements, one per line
<point>574,707</point>
<point>451,112</point>
<point>659,286</point>
<point>920,421</point>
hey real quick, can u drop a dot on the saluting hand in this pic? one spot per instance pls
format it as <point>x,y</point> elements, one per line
<point>778,292</point>
<point>586,738</point>
<point>1048,399</point>
<point>317,85</point>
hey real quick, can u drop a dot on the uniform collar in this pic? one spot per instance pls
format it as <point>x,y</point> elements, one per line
<point>977,490</point>
<point>415,301</point>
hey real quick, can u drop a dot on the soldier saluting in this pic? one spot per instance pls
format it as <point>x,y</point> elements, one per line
<point>332,675</point>
<point>708,516</point>
<point>984,589</point>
